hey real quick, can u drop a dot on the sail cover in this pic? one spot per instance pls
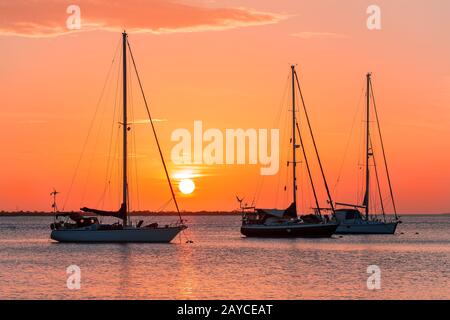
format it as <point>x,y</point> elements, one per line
<point>272,212</point>
<point>118,214</point>
<point>290,212</point>
<point>365,200</point>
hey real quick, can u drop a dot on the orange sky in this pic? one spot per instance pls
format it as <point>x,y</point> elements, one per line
<point>225,63</point>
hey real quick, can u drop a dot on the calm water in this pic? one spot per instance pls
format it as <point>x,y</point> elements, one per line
<point>220,264</point>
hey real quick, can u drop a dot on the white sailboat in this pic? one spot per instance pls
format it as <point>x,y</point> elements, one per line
<point>350,219</point>
<point>76,227</point>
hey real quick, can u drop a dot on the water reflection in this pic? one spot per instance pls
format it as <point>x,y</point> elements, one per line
<point>221,264</point>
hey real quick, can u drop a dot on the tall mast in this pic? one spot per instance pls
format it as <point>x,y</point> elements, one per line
<point>366,195</point>
<point>154,133</point>
<point>384,153</point>
<point>125,128</point>
<point>315,147</point>
<point>294,163</point>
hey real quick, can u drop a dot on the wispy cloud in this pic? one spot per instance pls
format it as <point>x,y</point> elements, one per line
<point>45,18</point>
<point>319,35</point>
<point>145,121</point>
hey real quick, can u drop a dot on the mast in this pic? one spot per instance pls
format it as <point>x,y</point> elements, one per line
<point>366,195</point>
<point>384,153</point>
<point>294,122</point>
<point>309,171</point>
<point>54,206</point>
<point>330,200</point>
<point>154,133</point>
<point>125,128</point>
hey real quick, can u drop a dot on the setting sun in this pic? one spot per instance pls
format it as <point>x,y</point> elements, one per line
<point>224,157</point>
<point>186,186</point>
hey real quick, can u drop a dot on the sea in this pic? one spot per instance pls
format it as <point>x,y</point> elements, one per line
<point>212,260</point>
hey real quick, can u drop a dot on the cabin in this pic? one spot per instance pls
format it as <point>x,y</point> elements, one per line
<point>347,214</point>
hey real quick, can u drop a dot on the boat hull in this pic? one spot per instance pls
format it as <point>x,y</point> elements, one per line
<point>137,235</point>
<point>367,228</point>
<point>289,231</point>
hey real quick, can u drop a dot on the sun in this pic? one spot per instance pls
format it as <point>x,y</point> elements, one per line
<point>186,186</point>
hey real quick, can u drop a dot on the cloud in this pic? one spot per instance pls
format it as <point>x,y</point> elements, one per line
<point>321,35</point>
<point>44,18</point>
<point>146,121</point>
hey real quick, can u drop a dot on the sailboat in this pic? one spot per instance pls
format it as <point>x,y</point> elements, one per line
<point>273,223</point>
<point>350,218</point>
<point>77,227</point>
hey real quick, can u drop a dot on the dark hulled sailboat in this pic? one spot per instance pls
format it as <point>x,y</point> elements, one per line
<point>273,223</point>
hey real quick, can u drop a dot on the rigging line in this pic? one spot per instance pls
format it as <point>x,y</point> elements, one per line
<point>303,178</point>
<point>314,143</point>
<point>111,159</point>
<point>286,152</point>
<point>260,179</point>
<point>255,195</point>
<point>286,179</point>
<point>306,186</point>
<point>118,163</point>
<point>360,163</point>
<point>164,205</point>
<point>387,199</point>
<point>259,190</point>
<point>259,186</point>
<point>348,140</point>
<point>110,162</point>
<point>307,167</point>
<point>382,148</point>
<point>283,98</point>
<point>90,128</point>
<point>361,176</point>
<point>133,180</point>
<point>136,182</point>
<point>283,136</point>
<point>378,181</point>
<point>154,132</point>
<point>130,181</point>
<point>99,127</point>
<point>118,157</point>
<point>304,193</point>
<point>285,147</point>
<point>258,195</point>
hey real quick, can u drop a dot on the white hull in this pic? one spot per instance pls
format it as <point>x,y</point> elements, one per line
<point>145,235</point>
<point>364,227</point>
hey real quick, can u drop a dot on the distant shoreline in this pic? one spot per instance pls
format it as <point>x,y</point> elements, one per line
<point>134,213</point>
<point>166,213</point>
